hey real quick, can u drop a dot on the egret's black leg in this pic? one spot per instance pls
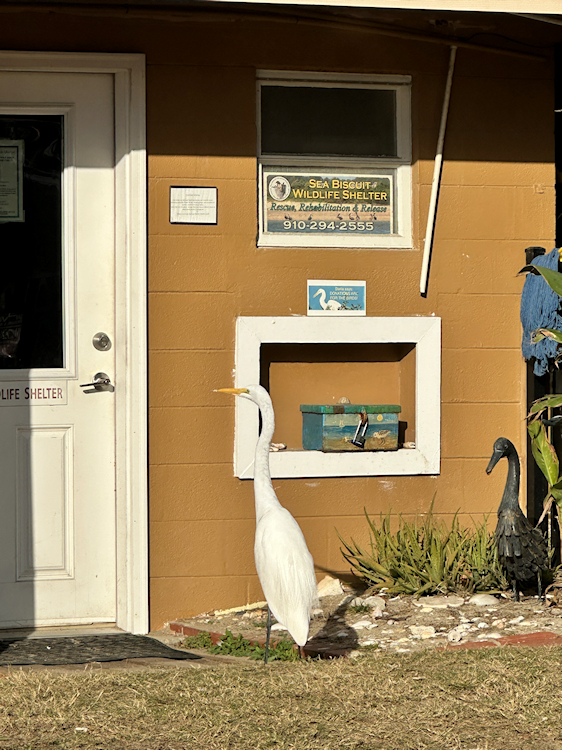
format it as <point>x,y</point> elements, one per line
<point>515,590</point>
<point>268,635</point>
<point>539,584</point>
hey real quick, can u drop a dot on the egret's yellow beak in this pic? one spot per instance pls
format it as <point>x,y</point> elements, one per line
<point>234,391</point>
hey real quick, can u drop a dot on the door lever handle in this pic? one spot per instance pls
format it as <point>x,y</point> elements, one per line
<point>101,382</point>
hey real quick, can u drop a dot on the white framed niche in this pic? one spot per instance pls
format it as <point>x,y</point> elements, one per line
<point>423,332</point>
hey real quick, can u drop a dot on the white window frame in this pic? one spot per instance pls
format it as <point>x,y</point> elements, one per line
<point>400,167</point>
<point>423,332</point>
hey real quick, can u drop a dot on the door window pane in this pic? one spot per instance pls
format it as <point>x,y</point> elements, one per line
<point>31,327</point>
<point>328,121</point>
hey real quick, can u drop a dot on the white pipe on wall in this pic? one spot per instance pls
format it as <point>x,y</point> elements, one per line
<point>428,242</point>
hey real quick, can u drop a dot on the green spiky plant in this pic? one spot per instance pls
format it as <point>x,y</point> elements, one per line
<point>425,556</point>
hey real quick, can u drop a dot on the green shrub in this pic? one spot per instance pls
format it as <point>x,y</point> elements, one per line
<point>232,645</point>
<point>426,557</point>
<point>283,650</point>
<point>237,645</point>
<point>201,640</point>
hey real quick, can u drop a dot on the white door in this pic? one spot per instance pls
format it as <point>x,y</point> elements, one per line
<point>57,438</point>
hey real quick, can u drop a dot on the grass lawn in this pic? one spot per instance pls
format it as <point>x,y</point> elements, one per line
<point>496,699</point>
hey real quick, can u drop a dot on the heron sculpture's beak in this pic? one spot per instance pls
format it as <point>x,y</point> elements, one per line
<point>496,456</point>
<point>233,391</point>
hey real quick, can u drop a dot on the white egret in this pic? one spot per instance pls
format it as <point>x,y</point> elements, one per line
<point>331,304</point>
<point>284,564</point>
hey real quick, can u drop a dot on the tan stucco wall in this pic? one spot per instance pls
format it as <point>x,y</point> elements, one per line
<point>497,197</point>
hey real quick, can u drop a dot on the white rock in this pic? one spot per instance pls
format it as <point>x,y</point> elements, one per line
<point>368,642</point>
<point>439,602</point>
<point>376,602</point>
<point>317,612</point>
<point>516,620</point>
<point>329,586</point>
<point>342,634</point>
<point>455,601</point>
<point>483,625</point>
<point>487,636</point>
<point>278,626</point>
<point>362,624</point>
<point>422,631</point>
<point>483,600</point>
<point>498,624</point>
<point>376,613</point>
<point>455,635</point>
<point>426,610</point>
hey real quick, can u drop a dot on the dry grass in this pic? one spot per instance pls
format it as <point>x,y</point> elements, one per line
<point>498,699</point>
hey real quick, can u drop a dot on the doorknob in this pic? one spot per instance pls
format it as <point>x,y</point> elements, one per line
<point>101,382</point>
<point>101,342</point>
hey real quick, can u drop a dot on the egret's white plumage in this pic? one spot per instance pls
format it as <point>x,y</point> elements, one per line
<point>284,564</point>
<point>331,304</point>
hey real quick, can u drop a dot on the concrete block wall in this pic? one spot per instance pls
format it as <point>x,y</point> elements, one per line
<point>496,198</point>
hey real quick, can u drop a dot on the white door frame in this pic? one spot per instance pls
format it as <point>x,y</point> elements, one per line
<point>130,313</point>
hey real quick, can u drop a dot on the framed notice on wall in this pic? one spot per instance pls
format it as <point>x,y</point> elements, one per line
<point>11,180</point>
<point>336,206</point>
<point>193,205</point>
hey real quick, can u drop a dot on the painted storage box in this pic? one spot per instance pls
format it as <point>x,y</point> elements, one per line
<point>350,427</point>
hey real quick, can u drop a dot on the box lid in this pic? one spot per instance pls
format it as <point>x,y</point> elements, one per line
<point>350,408</point>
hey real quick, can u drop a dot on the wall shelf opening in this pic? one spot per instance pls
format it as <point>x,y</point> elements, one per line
<point>314,360</point>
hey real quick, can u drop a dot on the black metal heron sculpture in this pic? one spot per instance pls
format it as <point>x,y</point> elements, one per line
<point>522,549</point>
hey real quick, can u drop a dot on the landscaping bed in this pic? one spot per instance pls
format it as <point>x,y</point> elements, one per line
<point>346,623</point>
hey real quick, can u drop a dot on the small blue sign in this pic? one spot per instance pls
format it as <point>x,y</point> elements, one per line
<point>332,297</point>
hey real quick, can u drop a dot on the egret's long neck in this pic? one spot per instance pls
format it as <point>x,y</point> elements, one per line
<point>263,489</point>
<point>511,492</point>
